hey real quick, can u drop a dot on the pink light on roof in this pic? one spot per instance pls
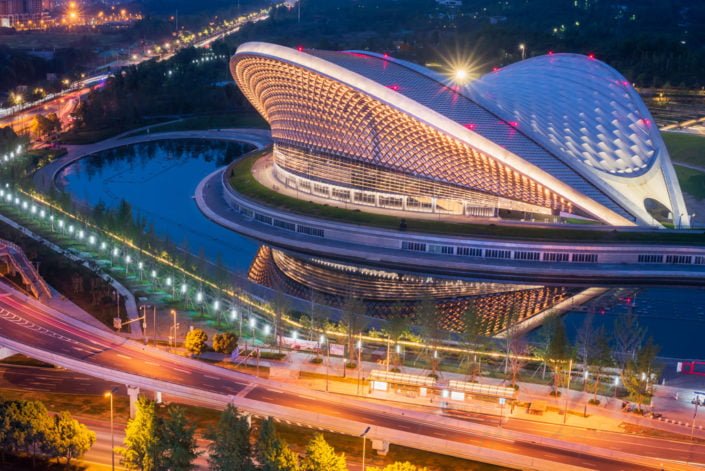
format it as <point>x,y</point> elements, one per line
<point>514,124</point>
<point>300,48</point>
<point>591,56</point>
<point>647,122</point>
<point>550,53</point>
<point>394,87</point>
<point>471,126</point>
<point>495,69</point>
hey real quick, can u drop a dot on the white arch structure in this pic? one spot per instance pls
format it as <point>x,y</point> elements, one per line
<point>554,133</point>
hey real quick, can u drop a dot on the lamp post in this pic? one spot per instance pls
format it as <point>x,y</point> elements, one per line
<point>109,394</point>
<point>522,48</point>
<point>697,402</point>
<point>364,443</point>
<point>567,390</point>
<point>359,363</point>
<point>321,341</point>
<point>173,313</point>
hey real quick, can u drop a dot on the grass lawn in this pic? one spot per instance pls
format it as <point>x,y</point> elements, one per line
<point>90,136</point>
<point>242,181</point>
<point>22,360</point>
<point>88,405</point>
<point>692,181</point>
<point>686,148</point>
<point>219,121</point>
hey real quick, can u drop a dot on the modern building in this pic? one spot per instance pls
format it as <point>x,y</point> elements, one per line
<point>12,11</point>
<point>554,137</point>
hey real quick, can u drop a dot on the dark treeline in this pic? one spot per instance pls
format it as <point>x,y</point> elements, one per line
<point>19,67</point>
<point>182,85</point>
<point>653,43</point>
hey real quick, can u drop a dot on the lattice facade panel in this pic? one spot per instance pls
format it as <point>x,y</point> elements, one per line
<point>309,111</point>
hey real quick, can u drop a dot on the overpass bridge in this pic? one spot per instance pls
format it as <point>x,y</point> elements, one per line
<point>39,331</point>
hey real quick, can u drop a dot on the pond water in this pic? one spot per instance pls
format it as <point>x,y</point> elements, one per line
<point>158,179</point>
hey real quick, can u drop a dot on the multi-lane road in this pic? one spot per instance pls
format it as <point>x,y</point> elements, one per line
<point>30,327</point>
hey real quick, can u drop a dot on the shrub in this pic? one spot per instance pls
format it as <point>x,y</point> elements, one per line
<point>350,364</point>
<point>555,393</point>
<point>594,402</point>
<point>225,342</point>
<point>195,341</point>
<point>316,360</point>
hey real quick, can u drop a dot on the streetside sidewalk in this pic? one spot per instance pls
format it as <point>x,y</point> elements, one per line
<point>608,416</point>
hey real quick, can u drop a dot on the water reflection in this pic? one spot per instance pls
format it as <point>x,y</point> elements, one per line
<point>158,179</point>
<point>387,292</point>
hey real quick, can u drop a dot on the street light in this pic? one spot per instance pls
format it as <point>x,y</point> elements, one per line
<point>173,313</point>
<point>522,48</point>
<point>364,443</point>
<point>112,428</point>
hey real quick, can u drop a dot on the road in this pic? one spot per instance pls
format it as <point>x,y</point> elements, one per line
<point>30,323</point>
<point>21,118</point>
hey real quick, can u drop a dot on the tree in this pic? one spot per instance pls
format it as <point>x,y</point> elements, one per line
<point>6,442</point>
<point>195,341</point>
<point>471,337</point>
<point>427,320</point>
<point>225,342</point>
<point>601,355</point>
<point>511,331</point>
<point>176,442</point>
<point>141,438</point>
<point>628,336</point>
<point>230,450</point>
<point>68,438</point>
<point>397,325</point>
<point>273,454</point>
<point>280,307</point>
<point>399,466</point>
<point>320,456</point>
<point>640,373</point>
<point>585,344</point>
<point>558,352</point>
<point>518,351</point>
<point>28,427</point>
<point>353,322</point>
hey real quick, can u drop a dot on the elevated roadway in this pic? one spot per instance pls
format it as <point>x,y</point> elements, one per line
<point>29,327</point>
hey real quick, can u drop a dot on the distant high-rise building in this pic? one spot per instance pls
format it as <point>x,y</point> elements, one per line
<point>12,11</point>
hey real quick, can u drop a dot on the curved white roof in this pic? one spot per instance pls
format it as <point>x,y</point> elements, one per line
<point>576,106</point>
<point>570,122</point>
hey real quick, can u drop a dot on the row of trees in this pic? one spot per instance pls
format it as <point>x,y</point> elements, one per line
<point>26,428</point>
<point>167,441</point>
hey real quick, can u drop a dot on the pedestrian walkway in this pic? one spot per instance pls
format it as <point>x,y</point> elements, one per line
<point>130,304</point>
<point>607,416</point>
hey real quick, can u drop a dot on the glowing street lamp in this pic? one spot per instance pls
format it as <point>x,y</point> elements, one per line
<point>522,48</point>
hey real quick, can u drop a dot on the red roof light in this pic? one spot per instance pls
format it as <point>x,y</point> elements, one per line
<point>300,48</point>
<point>591,56</point>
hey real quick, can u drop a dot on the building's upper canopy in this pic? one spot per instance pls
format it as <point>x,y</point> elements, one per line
<point>569,122</point>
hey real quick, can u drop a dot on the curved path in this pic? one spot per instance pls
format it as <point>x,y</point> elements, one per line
<point>31,328</point>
